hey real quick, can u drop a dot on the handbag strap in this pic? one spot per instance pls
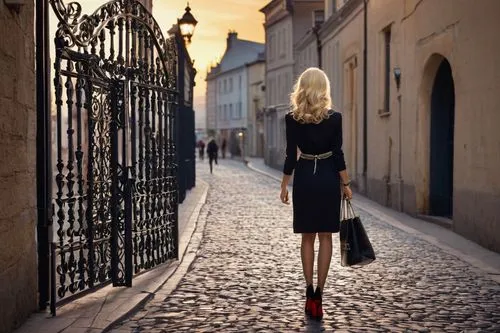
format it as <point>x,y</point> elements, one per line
<point>347,209</point>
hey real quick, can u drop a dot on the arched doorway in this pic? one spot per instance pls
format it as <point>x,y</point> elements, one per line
<point>441,142</point>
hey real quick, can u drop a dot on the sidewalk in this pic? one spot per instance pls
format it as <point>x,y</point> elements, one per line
<point>100,309</point>
<point>447,240</point>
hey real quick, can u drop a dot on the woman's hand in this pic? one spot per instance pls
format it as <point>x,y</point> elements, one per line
<point>284,195</point>
<point>347,192</point>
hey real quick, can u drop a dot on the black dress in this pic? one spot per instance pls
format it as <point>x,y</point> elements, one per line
<point>316,195</point>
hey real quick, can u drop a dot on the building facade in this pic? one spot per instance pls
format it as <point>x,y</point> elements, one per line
<point>286,22</point>
<point>256,102</point>
<point>211,101</point>
<point>431,143</point>
<point>227,93</point>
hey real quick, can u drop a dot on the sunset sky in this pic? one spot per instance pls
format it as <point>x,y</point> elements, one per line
<point>215,19</point>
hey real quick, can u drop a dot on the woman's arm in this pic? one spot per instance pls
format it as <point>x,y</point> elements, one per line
<point>339,157</point>
<point>285,180</point>
<point>344,177</point>
<point>338,154</point>
<point>291,151</point>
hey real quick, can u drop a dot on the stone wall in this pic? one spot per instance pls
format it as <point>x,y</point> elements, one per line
<point>424,33</point>
<point>18,267</point>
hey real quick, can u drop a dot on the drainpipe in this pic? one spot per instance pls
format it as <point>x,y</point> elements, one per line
<point>365,95</point>
<point>397,77</point>
<point>318,44</point>
<point>400,157</point>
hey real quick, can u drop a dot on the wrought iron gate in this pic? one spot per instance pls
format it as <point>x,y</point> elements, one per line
<point>115,173</point>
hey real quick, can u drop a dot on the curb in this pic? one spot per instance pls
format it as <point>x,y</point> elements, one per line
<point>251,167</point>
<point>193,219</point>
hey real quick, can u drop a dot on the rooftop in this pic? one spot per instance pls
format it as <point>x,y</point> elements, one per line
<point>239,52</point>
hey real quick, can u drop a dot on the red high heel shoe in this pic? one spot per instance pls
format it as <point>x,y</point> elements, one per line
<point>310,304</point>
<point>317,309</point>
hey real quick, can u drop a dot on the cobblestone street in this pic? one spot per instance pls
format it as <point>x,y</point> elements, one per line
<point>247,275</point>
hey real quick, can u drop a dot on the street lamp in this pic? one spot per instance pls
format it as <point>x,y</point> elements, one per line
<point>187,24</point>
<point>315,30</point>
<point>319,19</point>
<point>397,76</point>
<point>242,144</point>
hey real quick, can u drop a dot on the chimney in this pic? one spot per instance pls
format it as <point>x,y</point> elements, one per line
<point>231,36</point>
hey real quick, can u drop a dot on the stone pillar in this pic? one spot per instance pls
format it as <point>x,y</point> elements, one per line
<point>18,265</point>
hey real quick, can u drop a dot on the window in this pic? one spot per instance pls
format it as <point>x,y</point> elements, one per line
<point>239,111</point>
<point>225,85</point>
<point>270,92</point>
<point>285,43</point>
<point>220,87</point>
<point>220,112</point>
<point>271,48</point>
<point>225,112</point>
<point>281,43</point>
<point>278,47</point>
<point>239,83</point>
<point>280,86</point>
<point>288,85</point>
<point>230,84</point>
<point>387,68</point>
<point>231,111</point>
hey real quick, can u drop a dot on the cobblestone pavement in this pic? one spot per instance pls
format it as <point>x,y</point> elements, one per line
<point>247,275</point>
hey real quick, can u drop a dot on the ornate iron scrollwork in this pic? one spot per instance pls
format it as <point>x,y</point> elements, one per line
<point>77,30</point>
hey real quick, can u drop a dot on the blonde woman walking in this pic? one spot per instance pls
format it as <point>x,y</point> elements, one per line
<point>320,177</point>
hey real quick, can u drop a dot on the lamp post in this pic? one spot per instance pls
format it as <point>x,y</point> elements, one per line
<point>184,124</point>
<point>241,136</point>
<point>397,78</point>
<point>187,23</point>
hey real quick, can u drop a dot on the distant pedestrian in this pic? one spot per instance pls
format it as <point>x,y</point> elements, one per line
<point>212,152</point>
<point>201,149</point>
<point>223,147</point>
<point>320,176</point>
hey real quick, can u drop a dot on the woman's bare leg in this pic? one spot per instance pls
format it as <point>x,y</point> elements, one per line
<point>324,257</point>
<point>307,255</point>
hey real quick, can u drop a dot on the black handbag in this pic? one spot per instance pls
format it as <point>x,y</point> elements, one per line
<point>355,247</point>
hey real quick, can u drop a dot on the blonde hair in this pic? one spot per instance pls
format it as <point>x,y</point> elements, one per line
<point>310,100</point>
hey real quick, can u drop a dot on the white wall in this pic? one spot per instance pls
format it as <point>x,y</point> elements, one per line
<point>211,104</point>
<point>232,97</point>
<point>279,62</point>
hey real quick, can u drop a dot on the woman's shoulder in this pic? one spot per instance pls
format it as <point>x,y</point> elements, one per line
<point>334,115</point>
<point>289,117</point>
